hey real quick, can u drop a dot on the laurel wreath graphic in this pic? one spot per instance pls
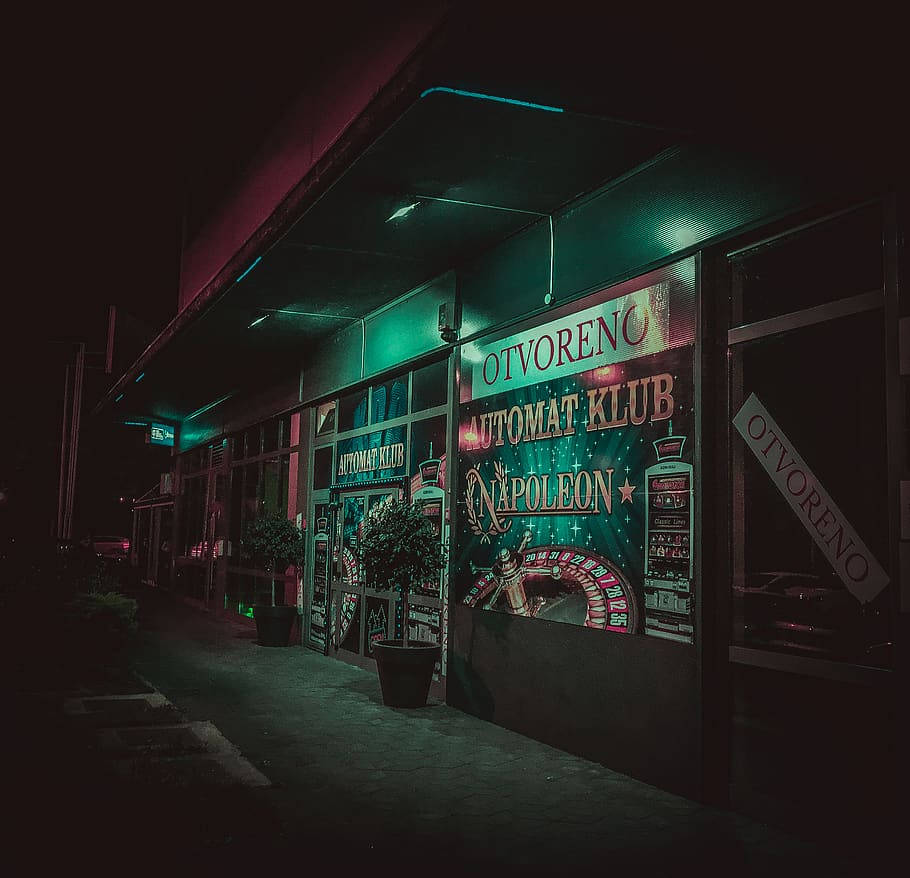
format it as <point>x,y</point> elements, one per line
<point>500,471</point>
<point>473,518</point>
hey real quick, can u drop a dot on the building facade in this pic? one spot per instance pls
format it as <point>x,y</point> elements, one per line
<point>653,393</point>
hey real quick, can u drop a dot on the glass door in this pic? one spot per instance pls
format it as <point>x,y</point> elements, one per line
<point>320,550</point>
<point>360,614</point>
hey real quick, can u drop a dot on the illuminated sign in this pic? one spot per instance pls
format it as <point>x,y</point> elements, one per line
<point>620,329</point>
<point>816,511</point>
<point>161,434</point>
<point>577,500</point>
<point>379,455</point>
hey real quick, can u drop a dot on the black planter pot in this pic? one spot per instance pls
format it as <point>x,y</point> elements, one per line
<point>405,672</point>
<point>274,624</point>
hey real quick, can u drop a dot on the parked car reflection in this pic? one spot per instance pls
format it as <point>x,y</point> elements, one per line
<point>811,615</point>
<point>114,548</point>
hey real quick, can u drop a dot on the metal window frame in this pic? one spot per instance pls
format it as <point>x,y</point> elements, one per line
<point>884,299</point>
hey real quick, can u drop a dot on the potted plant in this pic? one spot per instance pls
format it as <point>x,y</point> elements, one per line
<point>276,543</point>
<point>399,549</point>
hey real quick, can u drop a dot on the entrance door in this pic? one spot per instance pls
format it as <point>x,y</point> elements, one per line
<point>359,615</point>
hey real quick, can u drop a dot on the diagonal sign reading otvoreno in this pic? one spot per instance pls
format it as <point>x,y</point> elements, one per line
<point>817,512</point>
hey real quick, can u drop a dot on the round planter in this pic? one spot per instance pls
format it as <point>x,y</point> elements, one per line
<point>274,624</point>
<point>405,672</point>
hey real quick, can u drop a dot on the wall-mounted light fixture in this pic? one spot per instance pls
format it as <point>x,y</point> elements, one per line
<point>403,211</point>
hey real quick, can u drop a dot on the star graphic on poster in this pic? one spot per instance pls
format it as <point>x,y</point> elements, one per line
<point>626,491</point>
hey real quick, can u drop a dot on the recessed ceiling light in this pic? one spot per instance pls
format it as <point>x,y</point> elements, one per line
<point>403,211</point>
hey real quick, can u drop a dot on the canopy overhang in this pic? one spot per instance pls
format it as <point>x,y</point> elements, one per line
<point>454,174</point>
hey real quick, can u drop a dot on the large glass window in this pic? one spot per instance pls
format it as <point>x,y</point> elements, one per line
<point>270,435</point>
<point>830,261</point>
<point>352,410</point>
<point>322,468</point>
<point>577,464</point>
<point>430,386</point>
<point>808,442</point>
<point>390,400</point>
<point>325,418</point>
<point>193,511</point>
<point>811,489</point>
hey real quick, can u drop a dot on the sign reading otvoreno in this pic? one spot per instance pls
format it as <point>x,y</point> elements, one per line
<point>843,548</point>
<point>615,331</point>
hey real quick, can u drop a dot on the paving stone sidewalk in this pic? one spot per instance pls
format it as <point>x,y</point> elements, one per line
<point>352,783</point>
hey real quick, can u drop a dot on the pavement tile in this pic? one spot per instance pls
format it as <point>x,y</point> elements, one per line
<point>342,762</point>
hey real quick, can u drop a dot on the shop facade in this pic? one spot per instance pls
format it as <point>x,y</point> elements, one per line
<point>662,427</point>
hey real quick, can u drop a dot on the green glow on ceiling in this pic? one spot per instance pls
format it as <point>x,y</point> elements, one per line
<point>403,211</point>
<point>207,407</point>
<point>496,98</point>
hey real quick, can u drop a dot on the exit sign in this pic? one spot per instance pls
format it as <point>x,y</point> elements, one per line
<point>161,434</point>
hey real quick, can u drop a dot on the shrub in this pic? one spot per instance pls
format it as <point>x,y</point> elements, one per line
<point>275,542</point>
<point>398,549</point>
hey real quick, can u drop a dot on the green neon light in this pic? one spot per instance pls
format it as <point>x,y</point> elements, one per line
<point>244,610</point>
<point>139,377</point>
<point>257,321</point>
<point>483,97</point>
<point>208,407</point>
<point>118,398</point>
<point>402,211</point>
<point>254,263</point>
<point>135,423</point>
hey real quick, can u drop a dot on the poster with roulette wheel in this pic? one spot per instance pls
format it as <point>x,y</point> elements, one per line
<point>562,512</point>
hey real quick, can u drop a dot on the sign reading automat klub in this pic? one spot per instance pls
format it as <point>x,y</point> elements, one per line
<point>575,464</point>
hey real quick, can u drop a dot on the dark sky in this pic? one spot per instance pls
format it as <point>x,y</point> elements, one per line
<point>124,133</point>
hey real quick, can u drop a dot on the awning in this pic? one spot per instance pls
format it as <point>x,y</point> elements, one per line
<point>463,170</point>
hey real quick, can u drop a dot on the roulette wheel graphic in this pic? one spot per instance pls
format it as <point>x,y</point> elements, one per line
<point>349,601</point>
<point>557,582</point>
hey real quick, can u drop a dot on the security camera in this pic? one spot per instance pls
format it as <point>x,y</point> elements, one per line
<point>446,330</point>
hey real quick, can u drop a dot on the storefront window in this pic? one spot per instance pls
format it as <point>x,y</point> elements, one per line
<point>352,410</point>
<point>576,462</point>
<point>275,486</point>
<point>322,468</point>
<point>270,435</point>
<point>193,511</point>
<point>325,418</point>
<point>390,400</point>
<point>428,442</point>
<point>252,441</point>
<point>810,494</point>
<point>830,261</point>
<point>430,386</point>
<point>286,440</point>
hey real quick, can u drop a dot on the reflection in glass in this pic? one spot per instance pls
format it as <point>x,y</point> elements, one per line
<point>787,597</point>
<point>390,400</point>
<point>429,386</point>
<point>352,410</point>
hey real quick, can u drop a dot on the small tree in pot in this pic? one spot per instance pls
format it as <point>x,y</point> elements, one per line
<point>399,549</point>
<point>276,543</point>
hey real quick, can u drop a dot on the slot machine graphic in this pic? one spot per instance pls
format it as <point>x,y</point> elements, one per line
<point>669,542</point>
<point>319,605</point>
<point>427,622</point>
